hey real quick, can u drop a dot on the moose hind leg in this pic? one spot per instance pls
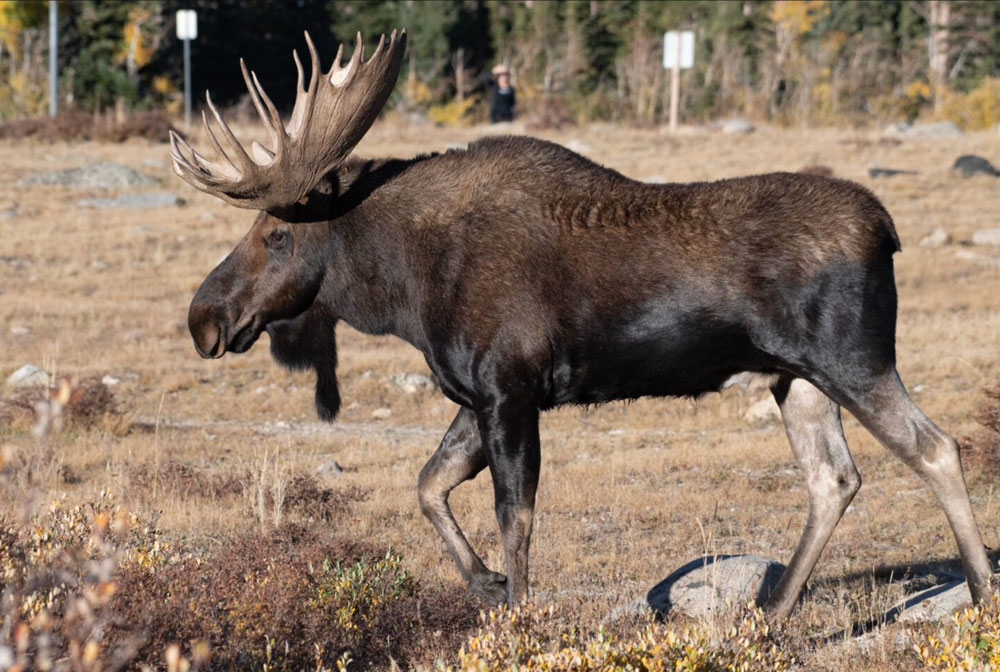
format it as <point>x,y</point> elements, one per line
<point>886,410</point>
<point>812,422</point>
<point>458,459</point>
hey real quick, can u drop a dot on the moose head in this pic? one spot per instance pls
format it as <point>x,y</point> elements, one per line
<point>271,279</point>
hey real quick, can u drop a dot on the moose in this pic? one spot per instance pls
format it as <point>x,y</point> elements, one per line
<point>530,277</point>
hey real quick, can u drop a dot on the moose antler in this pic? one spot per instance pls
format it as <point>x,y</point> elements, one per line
<point>329,118</point>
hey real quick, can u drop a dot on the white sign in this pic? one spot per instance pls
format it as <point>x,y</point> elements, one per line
<point>686,49</point>
<point>187,24</point>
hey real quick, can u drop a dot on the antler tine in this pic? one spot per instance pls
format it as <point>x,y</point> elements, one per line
<point>215,141</point>
<point>275,117</point>
<point>381,43</point>
<point>304,99</point>
<point>241,154</point>
<point>266,119</point>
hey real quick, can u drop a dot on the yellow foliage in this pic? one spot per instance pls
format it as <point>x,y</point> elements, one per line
<point>516,640</point>
<point>137,47</point>
<point>969,641</point>
<point>455,113</point>
<point>15,16</point>
<point>977,109</point>
<point>417,92</point>
<point>798,16</point>
<point>918,91</point>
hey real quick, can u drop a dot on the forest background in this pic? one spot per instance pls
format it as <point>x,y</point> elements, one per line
<point>809,62</point>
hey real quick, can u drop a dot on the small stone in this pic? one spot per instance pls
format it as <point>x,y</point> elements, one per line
<point>765,410</point>
<point>8,210</point>
<point>986,237</point>
<point>970,165</point>
<point>383,413</point>
<point>888,172</point>
<point>329,467</point>
<point>936,238</point>
<point>110,381</point>
<point>137,201</point>
<point>655,179</point>
<point>736,125</point>
<point>28,375</point>
<point>412,383</point>
<point>713,582</point>
<point>20,330</point>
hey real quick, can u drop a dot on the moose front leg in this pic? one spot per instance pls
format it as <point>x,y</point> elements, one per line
<point>458,459</point>
<point>510,437</point>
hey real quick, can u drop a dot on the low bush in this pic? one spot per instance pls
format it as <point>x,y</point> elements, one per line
<point>520,640</point>
<point>78,125</point>
<point>970,641</point>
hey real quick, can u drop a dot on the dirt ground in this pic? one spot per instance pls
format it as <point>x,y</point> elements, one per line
<point>628,492</point>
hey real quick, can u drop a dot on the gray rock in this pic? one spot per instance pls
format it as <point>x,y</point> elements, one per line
<point>8,210</point>
<point>20,330</point>
<point>383,413</point>
<point>970,164</point>
<point>986,237</point>
<point>888,172</point>
<point>154,163</point>
<point>139,201</point>
<point>935,129</point>
<point>102,175</point>
<point>412,383</point>
<point>936,238</point>
<point>736,125</point>
<point>933,604</point>
<point>110,381</point>
<point>714,582</point>
<point>329,467</point>
<point>28,375</point>
<point>765,410</point>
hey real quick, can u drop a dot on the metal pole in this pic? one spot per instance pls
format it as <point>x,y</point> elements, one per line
<point>675,84</point>
<point>53,57</point>
<point>187,85</point>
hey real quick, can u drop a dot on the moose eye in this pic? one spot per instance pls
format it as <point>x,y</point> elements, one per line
<point>277,238</point>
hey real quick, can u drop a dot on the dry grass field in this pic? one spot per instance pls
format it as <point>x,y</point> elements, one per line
<point>628,492</point>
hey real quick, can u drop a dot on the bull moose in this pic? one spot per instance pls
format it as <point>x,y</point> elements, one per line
<point>530,277</point>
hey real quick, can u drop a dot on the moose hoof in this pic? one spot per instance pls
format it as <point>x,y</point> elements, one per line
<point>492,587</point>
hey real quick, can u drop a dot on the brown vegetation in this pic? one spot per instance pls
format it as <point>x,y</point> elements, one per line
<point>78,125</point>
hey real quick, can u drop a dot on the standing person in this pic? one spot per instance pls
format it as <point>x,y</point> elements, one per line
<point>501,95</point>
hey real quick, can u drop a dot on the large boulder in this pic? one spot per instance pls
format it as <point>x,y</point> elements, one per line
<point>715,582</point>
<point>932,604</point>
<point>100,175</point>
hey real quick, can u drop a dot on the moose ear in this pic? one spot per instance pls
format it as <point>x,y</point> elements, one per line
<point>309,341</point>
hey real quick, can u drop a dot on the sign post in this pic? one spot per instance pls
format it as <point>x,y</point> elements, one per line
<point>53,58</point>
<point>187,30</point>
<point>678,52</point>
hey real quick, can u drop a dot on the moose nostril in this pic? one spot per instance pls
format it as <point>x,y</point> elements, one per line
<point>208,341</point>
